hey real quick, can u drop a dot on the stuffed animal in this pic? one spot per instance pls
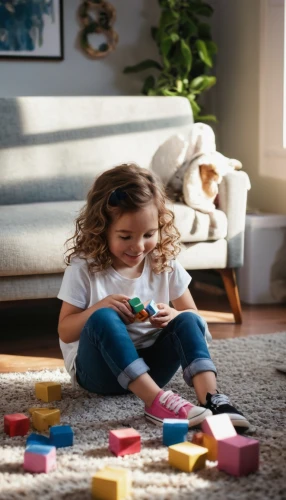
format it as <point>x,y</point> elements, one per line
<point>196,181</point>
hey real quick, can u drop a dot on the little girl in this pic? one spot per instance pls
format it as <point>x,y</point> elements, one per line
<point>125,246</point>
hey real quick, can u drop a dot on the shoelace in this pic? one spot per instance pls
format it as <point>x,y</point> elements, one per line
<point>219,399</point>
<point>173,401</point>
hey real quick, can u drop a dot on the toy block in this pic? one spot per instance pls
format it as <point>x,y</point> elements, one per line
<point>44,419</point>
<point>211,444</point>
<point>142,315</point>
<point>61,436</point>
<point>151,308</point>
<point>39,409</point>
<point>16,424</point>
<point>124,442</point>
<point>238,455</point>
<point>218,426</point>
<point>37,439</point>
<point>111,483</point>
<point>39,458</point>
<point>198,438</point>
<point>187,457</point>
<point>174,431</point>
<point>136,305</point>
<point>48,391</point>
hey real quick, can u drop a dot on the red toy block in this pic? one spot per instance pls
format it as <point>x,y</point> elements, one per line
<point>124,442</point>
<point>238,455</point>
<point>16,424</point>
<point>218,426</point>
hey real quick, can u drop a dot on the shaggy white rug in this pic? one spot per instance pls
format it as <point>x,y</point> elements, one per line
<point>246,372</point>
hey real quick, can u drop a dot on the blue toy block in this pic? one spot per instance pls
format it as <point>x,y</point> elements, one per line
<point>37,439</point>
<point>61,436</point>
<point>40,449</point>
<point>151,308</point>
<point>175,431</point>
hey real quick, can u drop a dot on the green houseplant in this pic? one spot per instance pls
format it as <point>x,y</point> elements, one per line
<point>186,50</point>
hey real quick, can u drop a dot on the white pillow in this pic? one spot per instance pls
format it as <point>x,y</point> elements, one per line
<point>169,157</point>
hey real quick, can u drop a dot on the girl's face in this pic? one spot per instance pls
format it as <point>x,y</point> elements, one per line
<point>132,236</point>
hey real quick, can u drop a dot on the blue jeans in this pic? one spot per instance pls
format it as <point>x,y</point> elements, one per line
<point>107,360</point>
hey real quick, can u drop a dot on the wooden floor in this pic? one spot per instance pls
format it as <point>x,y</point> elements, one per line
<point>29,339</point>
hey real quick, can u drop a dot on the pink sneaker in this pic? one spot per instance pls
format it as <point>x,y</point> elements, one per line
<point>170,405</point>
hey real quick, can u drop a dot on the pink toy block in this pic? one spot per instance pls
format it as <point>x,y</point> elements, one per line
<point>238,455</point>
<point>218,426</point>
<point>40,458</point>
<point>124,442</point>
<point>16,424</point>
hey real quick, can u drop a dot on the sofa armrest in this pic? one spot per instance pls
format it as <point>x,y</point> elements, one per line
<point>232,200</point>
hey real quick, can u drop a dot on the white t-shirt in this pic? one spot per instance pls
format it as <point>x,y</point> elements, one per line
<point>83,289</point>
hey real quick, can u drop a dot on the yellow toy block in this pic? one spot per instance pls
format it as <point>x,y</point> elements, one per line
<point>48,391</point>
<point>187,456</point>
<point>45,418</point>
<point>111,483</point>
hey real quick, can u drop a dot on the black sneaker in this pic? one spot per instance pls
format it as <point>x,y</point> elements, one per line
<point>219,403</point>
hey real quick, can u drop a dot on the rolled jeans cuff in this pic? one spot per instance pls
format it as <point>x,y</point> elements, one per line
<point>131,372</point>
<point>198,366</point>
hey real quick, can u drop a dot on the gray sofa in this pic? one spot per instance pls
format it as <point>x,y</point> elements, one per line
<point>51,148</point>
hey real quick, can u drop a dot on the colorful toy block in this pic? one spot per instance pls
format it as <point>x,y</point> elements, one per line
<point>238,455</point>
<point>142,315</point>
<point>198,438</point>
<point>48,391</point>
<point>136,305</point>
<point>16,424</point>
<point>215,428</point>
<point>40,458</point>
<point>187,457</point>
<point>37,439</point>
<point>174,431</point>
<point>111,483</point>
<point>61,436</point>
<point>151,308</point>
<point>42,419</point>
<point>124,442</point>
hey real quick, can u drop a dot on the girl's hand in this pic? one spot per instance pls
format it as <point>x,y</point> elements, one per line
<point>118,303</point>
<point>163,317</point>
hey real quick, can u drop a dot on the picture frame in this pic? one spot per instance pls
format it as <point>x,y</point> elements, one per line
<point>31,30</point>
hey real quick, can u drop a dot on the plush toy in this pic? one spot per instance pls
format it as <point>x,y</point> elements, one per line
<point>192,169</point>
<point>196,181</point>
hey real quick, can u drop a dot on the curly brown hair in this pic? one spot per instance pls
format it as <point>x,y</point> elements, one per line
<point>140,187</point>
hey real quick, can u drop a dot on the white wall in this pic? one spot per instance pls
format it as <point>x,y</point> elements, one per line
<point>78,75</point>
<point>237,31</point>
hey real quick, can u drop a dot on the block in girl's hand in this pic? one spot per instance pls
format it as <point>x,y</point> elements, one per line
<point>124,441</point>
<point>136,305</point>
<point>48,391</point>
<point>39,458</point>
<point>16,424</point>
<point>151,308</point>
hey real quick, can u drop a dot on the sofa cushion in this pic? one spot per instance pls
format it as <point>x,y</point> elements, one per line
<point>32,238</point>
<point>33,235</point>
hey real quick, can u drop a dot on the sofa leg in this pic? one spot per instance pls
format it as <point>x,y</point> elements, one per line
<point>229,281</point>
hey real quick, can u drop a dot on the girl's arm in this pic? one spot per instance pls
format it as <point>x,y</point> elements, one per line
<point>72,319</point>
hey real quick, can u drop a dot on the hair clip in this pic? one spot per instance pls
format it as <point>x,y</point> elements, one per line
<point>116,197</point>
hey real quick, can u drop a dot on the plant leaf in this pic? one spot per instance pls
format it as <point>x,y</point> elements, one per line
<point>187,56</point>
<point>148,85</point>
<point>207,118</point>
<point>203,53</point>
<point>203,82</point>
<point>147,64</point>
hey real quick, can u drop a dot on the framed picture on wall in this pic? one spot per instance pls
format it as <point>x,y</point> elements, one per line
<point>32,29</point>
